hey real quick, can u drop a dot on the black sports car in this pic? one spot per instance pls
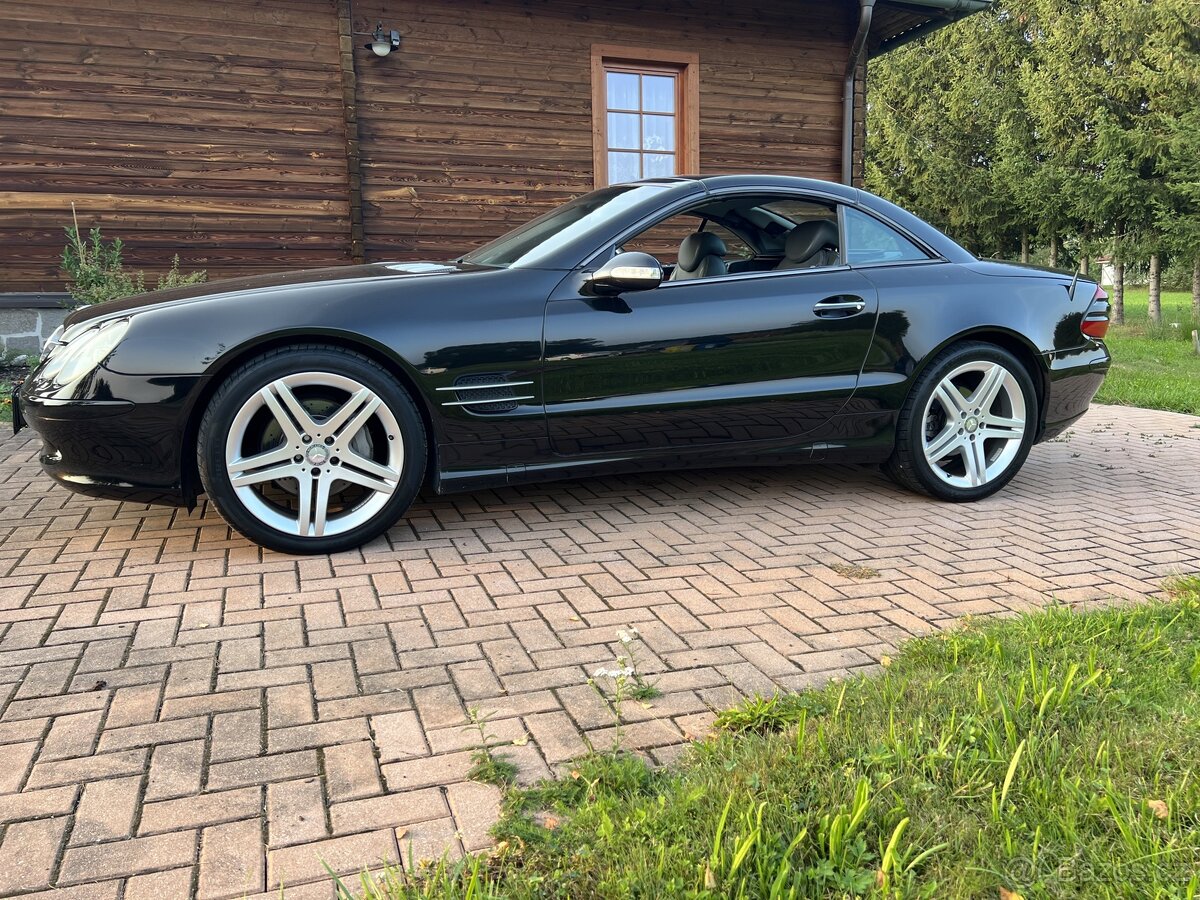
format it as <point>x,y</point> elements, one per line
<point>726,320</point>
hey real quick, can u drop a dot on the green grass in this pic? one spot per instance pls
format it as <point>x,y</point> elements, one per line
<point>1154,365</point>
<point>7,383</point>
<point>1050,755</point>
<point>10,377</point>
<point>488,767</point>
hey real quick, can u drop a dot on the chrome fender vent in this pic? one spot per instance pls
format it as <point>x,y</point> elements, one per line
<point>487,393</point>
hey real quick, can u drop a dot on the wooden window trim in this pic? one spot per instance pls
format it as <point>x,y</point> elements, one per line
<point>647,59</point>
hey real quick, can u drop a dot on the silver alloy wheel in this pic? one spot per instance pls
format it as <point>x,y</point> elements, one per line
<point>343,476</point>
<point>974,424</point>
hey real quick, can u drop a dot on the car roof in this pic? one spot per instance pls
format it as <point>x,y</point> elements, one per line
<point>794,182</point>
<point>722,182</point>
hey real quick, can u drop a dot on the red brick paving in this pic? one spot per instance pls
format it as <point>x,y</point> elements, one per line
<point>184,714</point>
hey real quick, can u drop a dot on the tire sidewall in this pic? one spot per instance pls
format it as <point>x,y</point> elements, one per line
<point>257,374</point>
<point>915,423</point>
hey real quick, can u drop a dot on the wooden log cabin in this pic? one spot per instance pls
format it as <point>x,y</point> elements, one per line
<point>257,135</point>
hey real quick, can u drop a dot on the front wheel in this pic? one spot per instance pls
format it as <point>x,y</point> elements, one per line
<point>311,450</point>
<point>967,426</point>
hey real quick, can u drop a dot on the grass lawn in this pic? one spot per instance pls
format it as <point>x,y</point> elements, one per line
<point>10,377</point>
<point>1154,366</point>
<point>7,382</point>
<point>1049,755</point>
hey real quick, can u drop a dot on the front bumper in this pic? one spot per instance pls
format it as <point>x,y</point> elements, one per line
<point>112,448</point>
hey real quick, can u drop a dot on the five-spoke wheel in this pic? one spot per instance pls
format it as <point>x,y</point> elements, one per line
<point>974,424</point>
<point>311,450</point>
<point>968,424</point>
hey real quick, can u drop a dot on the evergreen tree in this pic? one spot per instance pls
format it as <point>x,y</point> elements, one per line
<point>1074,123</point>
<point>1172,77</point>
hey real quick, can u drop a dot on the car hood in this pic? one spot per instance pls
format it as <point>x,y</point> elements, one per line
<point>264,284</point>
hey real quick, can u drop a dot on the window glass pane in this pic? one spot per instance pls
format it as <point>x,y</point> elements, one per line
<point>870,241</point>
<point>623,167</point>
<point>577,221</point>
<point>800,210</point>
<point>662,240</point>
<point>658,93</point>
<point>622,90</point>
<point>658,133</point>
<point>659,165</point>
<point>736,248</point>
<point>623,131</point>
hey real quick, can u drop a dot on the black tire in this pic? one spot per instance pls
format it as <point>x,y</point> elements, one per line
<point>336,366</point>
<point>908,465</point>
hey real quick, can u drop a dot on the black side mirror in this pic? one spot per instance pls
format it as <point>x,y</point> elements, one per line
<point>625,272</point>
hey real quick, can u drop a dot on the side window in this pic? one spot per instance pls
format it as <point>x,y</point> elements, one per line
<point>736,247</point>
<point>663,239</point>
<point>870,241</point>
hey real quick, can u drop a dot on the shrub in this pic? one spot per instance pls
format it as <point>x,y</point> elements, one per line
<point>96,272</point>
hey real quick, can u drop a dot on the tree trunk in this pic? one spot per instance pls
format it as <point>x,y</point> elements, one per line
<point>1196,291</point>
<point>1054,251</point>
<point>1155,288</point>
<point>1025,246</point>
<point>1085,262</point>
<point>1118,295</point>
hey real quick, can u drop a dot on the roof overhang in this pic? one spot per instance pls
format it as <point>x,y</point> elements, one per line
<point>896,22</point>
<point>884,25</point>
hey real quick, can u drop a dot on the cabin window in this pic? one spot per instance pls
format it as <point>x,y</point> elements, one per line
<point>644,113</point>
<point>870,241</point>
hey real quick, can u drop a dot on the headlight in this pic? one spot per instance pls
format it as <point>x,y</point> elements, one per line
<point>70,362</point>
<point>52,341</point>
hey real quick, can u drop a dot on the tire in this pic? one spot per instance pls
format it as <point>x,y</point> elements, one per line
<point>993,437</point>
<point>311,449</point>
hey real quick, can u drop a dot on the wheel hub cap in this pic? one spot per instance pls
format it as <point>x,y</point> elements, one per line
<point>974,424</point>
<point>287,433</point>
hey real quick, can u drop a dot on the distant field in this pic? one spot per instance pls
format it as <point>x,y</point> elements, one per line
<point>1154,366</point>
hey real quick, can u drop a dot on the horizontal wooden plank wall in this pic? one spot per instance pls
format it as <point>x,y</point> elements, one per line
<point>211,129</point>
<point>217,129</point>
<point>482,118</point>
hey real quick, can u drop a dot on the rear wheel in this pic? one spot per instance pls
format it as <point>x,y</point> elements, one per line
<point>311,450</point>
<point>967,426</point>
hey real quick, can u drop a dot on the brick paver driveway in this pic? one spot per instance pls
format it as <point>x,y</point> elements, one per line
<point>183,714</point>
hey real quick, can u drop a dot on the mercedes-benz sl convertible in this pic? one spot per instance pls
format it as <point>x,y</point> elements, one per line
<point>730,320</point>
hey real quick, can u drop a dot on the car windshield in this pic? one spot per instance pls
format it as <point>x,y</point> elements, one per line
<point>537,240</point>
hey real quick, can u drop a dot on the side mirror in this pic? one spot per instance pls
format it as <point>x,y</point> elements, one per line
<point>625,272</point>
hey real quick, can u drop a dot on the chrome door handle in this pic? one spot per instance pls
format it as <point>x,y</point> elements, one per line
<point>840,305</point>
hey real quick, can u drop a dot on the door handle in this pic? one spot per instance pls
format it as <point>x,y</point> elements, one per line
<point>840,306</point>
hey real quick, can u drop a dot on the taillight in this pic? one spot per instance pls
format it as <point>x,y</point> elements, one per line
<point>1095,320</point>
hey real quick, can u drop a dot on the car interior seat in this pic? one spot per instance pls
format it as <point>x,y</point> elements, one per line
<point>701,255</point>
<point>809,245</point>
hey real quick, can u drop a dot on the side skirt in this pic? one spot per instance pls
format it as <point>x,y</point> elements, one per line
<point>860,438</point>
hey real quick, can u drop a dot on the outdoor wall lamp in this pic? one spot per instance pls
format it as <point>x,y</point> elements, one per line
<point>383,42</point>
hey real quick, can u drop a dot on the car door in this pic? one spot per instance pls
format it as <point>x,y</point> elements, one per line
<point>756,358</point>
